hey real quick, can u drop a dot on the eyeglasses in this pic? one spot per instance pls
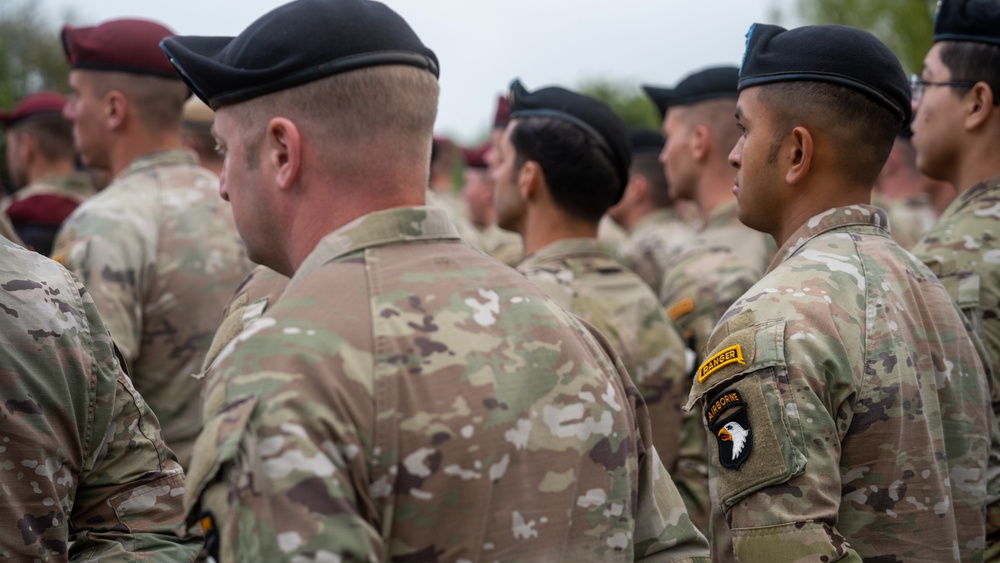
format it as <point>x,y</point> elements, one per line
<point>917,86</point>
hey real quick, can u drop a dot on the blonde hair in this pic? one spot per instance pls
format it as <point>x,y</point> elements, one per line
<point>159,102</point>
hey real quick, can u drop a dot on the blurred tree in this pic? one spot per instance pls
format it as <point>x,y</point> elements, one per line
<point>628,100</point>
<point>904,25</point>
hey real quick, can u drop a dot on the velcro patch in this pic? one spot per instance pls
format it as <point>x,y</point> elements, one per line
<point>681,308</point>
<point>731,355</point>
<point>733,431</point>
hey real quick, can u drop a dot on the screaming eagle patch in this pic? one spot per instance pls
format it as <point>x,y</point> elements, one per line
<point>729,421</point>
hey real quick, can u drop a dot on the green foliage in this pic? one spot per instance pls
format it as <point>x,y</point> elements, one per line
<point>904,25</point>
<point>628,100</point>
<point>31,57</point>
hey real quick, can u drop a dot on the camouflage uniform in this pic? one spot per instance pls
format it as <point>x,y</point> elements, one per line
<point>453,208</point>
<point>586,280</point>
<point>82,460</point>
<point>723,228</point>
<point>656,238</point>
<point>847,411</point>
<point>160,253</point>
<point>38,209</point>
<point>408,398</point>
<point>963,251</point>
<point>909,217</point>
<point>502,245</point>
<point>7,230</point>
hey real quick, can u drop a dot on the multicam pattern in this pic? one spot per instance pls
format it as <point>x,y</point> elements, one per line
<point>656,238</point>
<point>408,398</point>
<point>586,280</point>
<point>84,472</point>
<point>963,251</point>
<point>867,407</point>
<point>723,228</point>
<point>159,251</point>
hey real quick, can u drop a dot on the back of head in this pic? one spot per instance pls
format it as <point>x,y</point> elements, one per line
<point>39,116</point>
<point>646,148</point>
<point>581,145</point>
<point>838,82</point>
<point>706,97</point>
<point>374,86</point>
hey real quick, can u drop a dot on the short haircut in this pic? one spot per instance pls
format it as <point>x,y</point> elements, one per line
<point>199,137</point>
<point>974,62</point>
<point>392,107</point>
<point>52,133</point>
<point>860,130</point>
<point>717,116</point>
<point>159,102</point>
<point>649,167</point>
<point>580,176</point>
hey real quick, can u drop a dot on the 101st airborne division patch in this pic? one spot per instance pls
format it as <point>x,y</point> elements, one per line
<point>732,431</point>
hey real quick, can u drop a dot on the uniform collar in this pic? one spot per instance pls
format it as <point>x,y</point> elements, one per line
<point>831,219</point>
<point>972,194</point>
<point>657,217</point>
<point>724,214</point>
<point>389,226</point>
<point>161,158</point>
<point>562,248</point>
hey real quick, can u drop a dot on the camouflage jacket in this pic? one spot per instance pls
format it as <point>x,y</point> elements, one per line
<point>159,251</point>
<point>963,250</point>
<point>586,280</point>
<point>502,245</point>
<point>847,411</point>
<point>656,238</point>
<point>909,217</point>
<point>409,398</point>
<point>724,228</point>
<point>85,474</point>
<point>38,209</point>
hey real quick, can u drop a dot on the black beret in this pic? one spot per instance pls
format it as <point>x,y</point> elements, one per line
<point>295,44</point>
<point>593,116</point>
<point>126,45</point>
<point>833,54</point>
<point>708,84</point>
<point>968,20</point>
<point>646,141</point>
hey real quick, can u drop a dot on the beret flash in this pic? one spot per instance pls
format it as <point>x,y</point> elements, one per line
<point>592,116</point>
<point>126,45</point>
<point>708,84</point>
<point>977,21</point>
<point>294,44</point>
<point>833,54</point>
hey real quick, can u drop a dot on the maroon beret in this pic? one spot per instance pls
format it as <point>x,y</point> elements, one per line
<point>475,157</point>
<point>503,113</point>
<point>119,45</point>
<point>41,103</point>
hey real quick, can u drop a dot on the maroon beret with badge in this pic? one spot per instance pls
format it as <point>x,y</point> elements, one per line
<point>126,45</point>
<point>33,105</point>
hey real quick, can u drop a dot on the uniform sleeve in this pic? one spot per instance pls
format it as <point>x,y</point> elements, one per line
<point>111,258</point>
<point>758,445</point>
<point>279,470</point>
<point>129,501</point>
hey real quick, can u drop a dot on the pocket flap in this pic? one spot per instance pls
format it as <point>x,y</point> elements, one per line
<point>218,443</point>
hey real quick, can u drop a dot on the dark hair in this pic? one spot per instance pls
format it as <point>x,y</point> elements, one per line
<point>580,177</point>
<point>970,61</point>
<point>53,135</point>
<point>648,166</point>
<point>861,130</point>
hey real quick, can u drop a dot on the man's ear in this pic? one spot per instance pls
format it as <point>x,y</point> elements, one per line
<point>116,109</point>
<point>529,180</point>
<point>636,190</point>
<point>980,104</point>
<point>798,151</point>
<point>699,141</point>
<point>283,146</point>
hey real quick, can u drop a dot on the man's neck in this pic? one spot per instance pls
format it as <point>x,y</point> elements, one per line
<point>129,148</point>
<point>44,170</point>
<point>978,164</point>
<point>543,229</point>
<point>714,189</point>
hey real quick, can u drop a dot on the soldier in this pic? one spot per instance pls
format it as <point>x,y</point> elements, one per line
<point>157,247</point>
<point>41,161</point>
<point>407,397</point>
<point>646,213</point>
<point>956,125</point>
<point>563,162</point>
<point>477,192</point>
<point>846,403</point>
<point>196,133</point>
<point>85,474</point>
<point>700,134</point>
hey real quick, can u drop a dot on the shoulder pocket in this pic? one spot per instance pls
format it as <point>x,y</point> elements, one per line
<point>218,444</point>
<point>745,399</point>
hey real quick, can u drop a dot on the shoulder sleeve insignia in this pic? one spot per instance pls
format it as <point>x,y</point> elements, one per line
<point>732,431</point>
<point>681,308</point>
<point>210,550</point>
<point>730,355</point>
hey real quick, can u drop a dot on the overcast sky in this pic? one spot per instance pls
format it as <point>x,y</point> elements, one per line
<point>483,44</point>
